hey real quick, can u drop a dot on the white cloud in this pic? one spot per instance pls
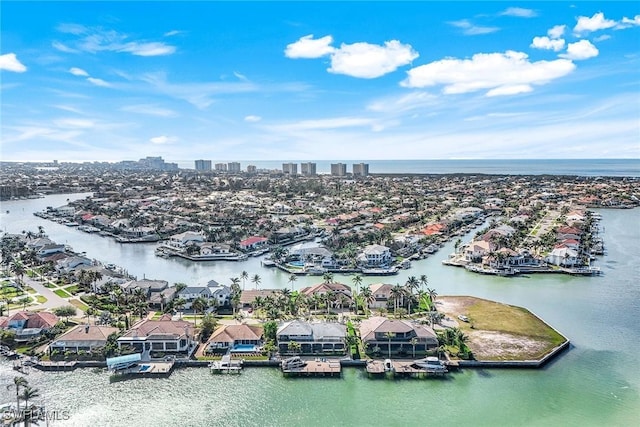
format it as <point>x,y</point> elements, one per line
<point>172,33</point>
<point>98,39</point>
<point>557,31</point>
<point>323,124</point>
<point>403,103</point>
<point>547,43</point>
<point>627,22</point>
<point>501,73</point>
<point>240,76</point>
<point>580,50</point>
<point>149,109</point>
<point>602,38</point>
<point>163,139</point>
<point>74,123</point>
<point>147,49</point>
<point>78,72</point>
<point>520,12</point>
<point>595,23</point>
<point>98,82</point>
<point>252,119</point>
<point>470,29</point>
<point>10,62</point>
<point>369,61</point>
<point>307,47</point>
<point>63,48</point>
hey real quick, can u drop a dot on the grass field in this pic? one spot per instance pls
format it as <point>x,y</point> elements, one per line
<point>79,304</point>
<point>62,293</point>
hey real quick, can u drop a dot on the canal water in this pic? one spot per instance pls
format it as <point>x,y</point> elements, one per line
<point>596,382</point>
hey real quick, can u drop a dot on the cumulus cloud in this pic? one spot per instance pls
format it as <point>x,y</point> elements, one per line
<point>557,31</point>
<point>470,29</point>
<point>308,47</point>
<point>547,43</point>
<point>252,119</point>
<point>629,22</point>
<point>506,73</point>
<point>98,82</point>
<point>363,60</point>
<point>580,50</point>
<point>369,61</point>
<point>78,72</point>
<point>520,12</point>
<point>10,62</point>
<point>163,139</point>
<point>595,23</point>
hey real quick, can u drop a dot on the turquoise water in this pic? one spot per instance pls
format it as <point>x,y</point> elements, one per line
<point>595,383</point>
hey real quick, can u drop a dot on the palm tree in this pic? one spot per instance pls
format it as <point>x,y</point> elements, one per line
<point>389,335</point>
<point>329,297</point>
<point>424,280</point>
<point>327,277</point>
<point>432,295</point>
<point>28,393</point>
<point>292,279</point>
<point>396,293</point>
<point>199,305</point>
<point>17,383</point>
<point>414,342</point>
<point>367,296</point>
<point>24,301</point>
<point>256,280</point>
<point>18,269</point>
<point>244,276</point>
<point>357,281</point>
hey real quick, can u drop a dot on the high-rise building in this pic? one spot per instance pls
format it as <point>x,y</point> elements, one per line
<point>338,169</point>
<point>234,167</point>
<point>203,165</point>
<point>308,169</point>
<point>252,169</point>
<point>290,168</point>
<point>360,169</point>
<point>221,167</point>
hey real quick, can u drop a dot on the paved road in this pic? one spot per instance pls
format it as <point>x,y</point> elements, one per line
<point>53,300</point>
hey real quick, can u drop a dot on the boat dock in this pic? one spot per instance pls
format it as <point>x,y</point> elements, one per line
<point>315,368</point>
<point>226,365</point>
<point>404,368</point>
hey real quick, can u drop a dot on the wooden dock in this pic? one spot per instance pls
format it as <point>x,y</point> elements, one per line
<point>401,369</point>
<point>316,368</point>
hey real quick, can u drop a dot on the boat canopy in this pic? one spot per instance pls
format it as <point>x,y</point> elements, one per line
<point>123,362</point>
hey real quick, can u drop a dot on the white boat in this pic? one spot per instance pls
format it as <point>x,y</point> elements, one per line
<point>463,318</point>
<point>388,365</point>
<point>431,364</point>
<point>226,365</point>
<point>293,363</point>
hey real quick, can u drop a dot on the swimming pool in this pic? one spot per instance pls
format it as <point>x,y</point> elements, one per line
<point>244,348</point>
<point>296,263</point>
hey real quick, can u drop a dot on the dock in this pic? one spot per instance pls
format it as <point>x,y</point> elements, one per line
<point>402,368</point>
<point>315,368</point>
<point>226,365</point>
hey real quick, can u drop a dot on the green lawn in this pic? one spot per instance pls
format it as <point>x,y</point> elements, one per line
<point>62,293</point>
<point>79,304</point>
<point>41,299</point>
<point>30,290</point>
<point>73,289</point>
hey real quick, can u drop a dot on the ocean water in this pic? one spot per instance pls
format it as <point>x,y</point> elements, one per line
<point>573,167</point>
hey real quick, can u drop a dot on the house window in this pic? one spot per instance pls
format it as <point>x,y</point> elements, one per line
<point>157,346</point>
<point>171,346</point>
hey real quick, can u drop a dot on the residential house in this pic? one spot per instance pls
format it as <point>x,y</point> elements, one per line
<point>477,249</point>
<point>82,337</point>
<point>314,338</point>
<point>395,336</point>
<point>337,288</point>
<point>234,338</point>
<point>563,256</point>
<point>161,336</point>
<point>375,256</point>
<point>381,293</point>
<point>28,325</point>
<point>253,243</point>
<point>69,264</point>
<point>182,240</point>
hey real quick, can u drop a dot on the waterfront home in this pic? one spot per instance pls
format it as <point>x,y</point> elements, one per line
<point>477,249</point>
<point>28,325</point>
<point>152,337</point>
<point>182,240</point>
<point>562,256</point>
<point>46,250</point>
<point>248,297</point>
<point>240,338</point>
<point>148,286</point>
<point>82,337</point>
<point>381,293</point>
<point>373,256</point>
<point>314,338</point>
<point>215,294</point>
<point>252,243</point>
<point>323,288</point>
<point>71,263</point>
<point>380,333</point>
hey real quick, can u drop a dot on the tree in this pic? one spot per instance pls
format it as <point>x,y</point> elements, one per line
<point>292,280</point>
<point>327,277</point>
<point>27,394</point>
<point>270,329</point>
<point>24,301</point>
<point>244,276</point>
<point>18,382</point>
<point>368,296</point>
<point>65,311</point>
<point>199,305</point>
<point>388,336</point>
<point>357,281</point>
<point>414,342</point>
<point>424,280</point>
<point>19,270</point>
<point>208,325</point>
<point>294,347</point>
<point>179,304</point>
<point>432,296</point>
<point>256,280</point>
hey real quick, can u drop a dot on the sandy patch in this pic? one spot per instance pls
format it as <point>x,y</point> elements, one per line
<point>500,345</point>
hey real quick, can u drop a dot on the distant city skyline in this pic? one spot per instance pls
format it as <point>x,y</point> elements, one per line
<point>321,81</point>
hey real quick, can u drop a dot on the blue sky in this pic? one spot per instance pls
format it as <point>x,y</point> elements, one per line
<point>319,80</point>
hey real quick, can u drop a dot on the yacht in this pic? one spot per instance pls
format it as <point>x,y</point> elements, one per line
<point>293,363</point>
<point>431,364</point>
